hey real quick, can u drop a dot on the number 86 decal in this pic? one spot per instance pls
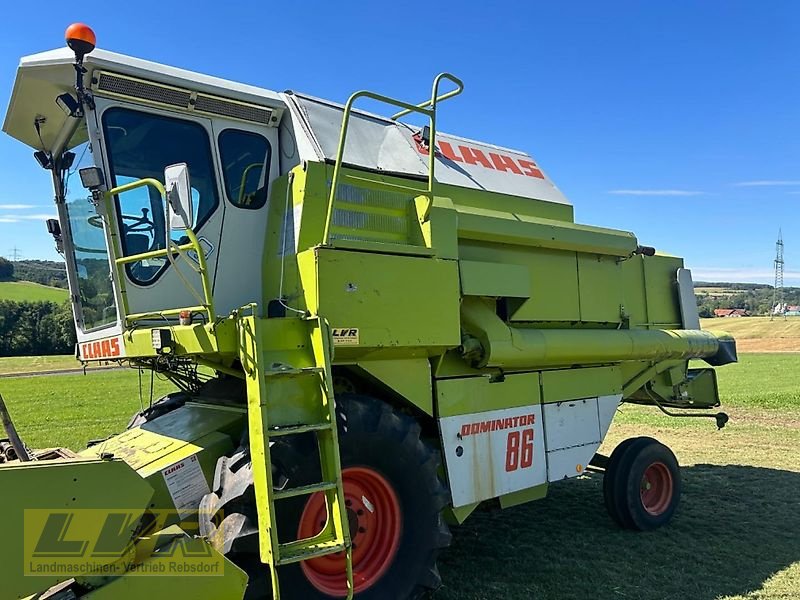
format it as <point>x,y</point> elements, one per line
<point>519,450</point>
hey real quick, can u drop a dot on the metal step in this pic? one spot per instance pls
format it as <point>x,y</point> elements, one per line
<point>304,490</point>
<point>298,551</point>
<point>297,429</point>
<point>291,372</point>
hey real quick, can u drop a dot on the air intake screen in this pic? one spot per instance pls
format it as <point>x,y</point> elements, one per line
<point>144,91</point>
<point>129,87</point>
<point>226,108</point>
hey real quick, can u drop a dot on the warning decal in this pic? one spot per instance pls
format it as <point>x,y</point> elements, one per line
<point>186,484</point>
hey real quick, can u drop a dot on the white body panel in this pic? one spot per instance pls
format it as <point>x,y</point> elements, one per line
<point>561,439</point>
<point>478,462</point>
<point>574,431</point>
<point>382,144</point>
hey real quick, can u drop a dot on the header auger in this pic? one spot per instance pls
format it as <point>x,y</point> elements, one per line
<point>372,329</point>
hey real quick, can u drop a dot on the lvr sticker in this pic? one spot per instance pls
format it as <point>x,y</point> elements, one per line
<point>345,337</point>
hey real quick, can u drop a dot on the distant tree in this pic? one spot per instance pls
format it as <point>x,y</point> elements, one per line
<point>6,268</point>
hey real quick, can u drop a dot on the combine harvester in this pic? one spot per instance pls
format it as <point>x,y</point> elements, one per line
<point>374,328</point>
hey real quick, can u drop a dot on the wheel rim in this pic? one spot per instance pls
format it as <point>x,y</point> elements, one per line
<point>657,489</point>
<point>373,512</point>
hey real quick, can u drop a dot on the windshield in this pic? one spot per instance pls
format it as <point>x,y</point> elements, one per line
<point>141,145</point>
<point>91,256</point>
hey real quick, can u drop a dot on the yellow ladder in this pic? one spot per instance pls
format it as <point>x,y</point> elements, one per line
<point>287,363</point>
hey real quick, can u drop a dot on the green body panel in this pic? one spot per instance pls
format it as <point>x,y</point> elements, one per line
<point>409,377</point>
<point>573,384</point>
<point>198,430</point>
<point>371,293</point>
<point>516,498</point>
<point>171,580</point>
<point>60,487</point>
<point>479,394</point>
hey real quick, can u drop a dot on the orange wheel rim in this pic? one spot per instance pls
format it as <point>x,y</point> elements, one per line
<point>657,488</point>
<point>373,512</point>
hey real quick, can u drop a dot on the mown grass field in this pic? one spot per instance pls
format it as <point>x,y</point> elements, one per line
<point>734,537</point>
<point>14,365</point>
<point>20,291</point>
<point>759,334</point>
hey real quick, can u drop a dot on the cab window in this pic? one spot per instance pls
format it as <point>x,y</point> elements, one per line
<point>245,167</point>
<point>141,145</point>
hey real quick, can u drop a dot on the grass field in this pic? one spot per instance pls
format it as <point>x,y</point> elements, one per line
<point>26,290</point>
<point>30,364</point>
<point>734,536</point>
<point>759,334</point>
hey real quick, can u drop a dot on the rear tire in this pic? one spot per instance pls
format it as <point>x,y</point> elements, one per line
<point>643,484</point>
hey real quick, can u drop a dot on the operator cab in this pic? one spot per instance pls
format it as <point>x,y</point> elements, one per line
<point>135,119</point>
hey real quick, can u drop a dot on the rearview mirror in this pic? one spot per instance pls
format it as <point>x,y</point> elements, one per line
<point>180,213</point>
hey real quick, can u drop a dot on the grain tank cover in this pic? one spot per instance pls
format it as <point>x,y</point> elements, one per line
<point>382,144</point>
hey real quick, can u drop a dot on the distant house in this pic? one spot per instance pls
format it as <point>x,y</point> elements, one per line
<point>731,312</point>
<point>792,311</point>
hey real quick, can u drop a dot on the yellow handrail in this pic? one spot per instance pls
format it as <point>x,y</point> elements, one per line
<point>193,245</point>
<point>427,108</point>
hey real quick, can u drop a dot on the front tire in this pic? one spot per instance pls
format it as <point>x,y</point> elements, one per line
<point>394,500</point>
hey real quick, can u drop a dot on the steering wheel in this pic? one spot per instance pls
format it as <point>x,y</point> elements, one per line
<point>130,223</point>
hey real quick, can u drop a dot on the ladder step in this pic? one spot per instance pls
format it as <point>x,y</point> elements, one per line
<point>295,372</point>
<point>304,490</point>
<point>296,429</point>
<point>297,551</point>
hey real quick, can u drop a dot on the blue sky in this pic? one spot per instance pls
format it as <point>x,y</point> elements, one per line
<point>677,120</point>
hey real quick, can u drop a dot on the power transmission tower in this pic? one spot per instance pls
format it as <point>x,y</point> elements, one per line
<point>15,254</point>
<point>778,305</point>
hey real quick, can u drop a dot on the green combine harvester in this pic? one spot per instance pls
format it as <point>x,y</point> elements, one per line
<point>374,327</point>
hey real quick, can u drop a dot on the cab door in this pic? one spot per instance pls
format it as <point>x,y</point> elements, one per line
<point>248,157</point>
<point>139,142</point>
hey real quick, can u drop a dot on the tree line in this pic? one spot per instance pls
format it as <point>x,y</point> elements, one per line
<point>755,300</point>
<point>36,328</point>
<point>45,272</point>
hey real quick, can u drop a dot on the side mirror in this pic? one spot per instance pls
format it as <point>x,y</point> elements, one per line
<point>180,213</point>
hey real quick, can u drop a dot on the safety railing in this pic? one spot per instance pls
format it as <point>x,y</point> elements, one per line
<point>206,301</point>
<point>427,108</point>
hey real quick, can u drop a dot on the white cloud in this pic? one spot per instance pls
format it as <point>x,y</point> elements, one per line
<point>29,217</point>
<point>656,192</point>
<point>16,206</point>
<point>7,220</point>
<point>739,275</point>
<point>768,182</point>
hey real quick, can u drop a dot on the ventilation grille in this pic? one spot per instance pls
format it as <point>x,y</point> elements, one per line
<point>371,215</point>
<point>164,95</point>
<point>234,110</point>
